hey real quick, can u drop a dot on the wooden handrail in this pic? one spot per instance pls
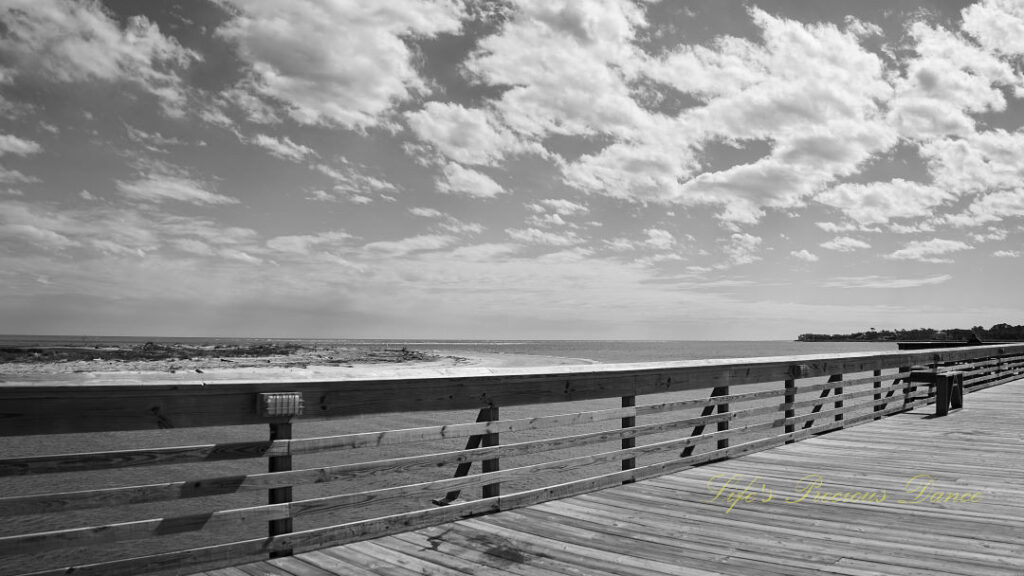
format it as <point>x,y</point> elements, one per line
<point>859,388</point>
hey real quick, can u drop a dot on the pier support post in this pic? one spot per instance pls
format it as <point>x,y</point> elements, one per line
<point>877,385</point>
<point>724,424</point>
<point>790,399</point>
<point>628,422</point>
<point>280,431</point>
<point>838,393</point>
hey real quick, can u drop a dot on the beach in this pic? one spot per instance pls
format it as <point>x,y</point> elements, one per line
<point>206,363</point>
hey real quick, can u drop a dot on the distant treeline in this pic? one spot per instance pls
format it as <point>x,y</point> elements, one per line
<point>996,332</point>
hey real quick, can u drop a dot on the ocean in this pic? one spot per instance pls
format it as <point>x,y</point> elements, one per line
<point>604,351</point>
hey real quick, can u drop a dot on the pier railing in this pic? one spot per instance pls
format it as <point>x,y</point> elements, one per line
<point>401,451</point>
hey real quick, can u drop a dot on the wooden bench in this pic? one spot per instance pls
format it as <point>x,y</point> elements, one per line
<point>949,388</point>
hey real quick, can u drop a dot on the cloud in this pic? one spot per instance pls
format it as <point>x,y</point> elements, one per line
<point>811,91</point>
<point>659,239</point>
<point>8,176</point>
<point>466,135</point>
<point>336,63</point>
<point>1007,254</point>
<point>305,244</point>
<point>10,144</point>
<point>535,236</point>
<point>998,25</point>
<point>459,180</point>
<point>159,187</point>
<point>926,251</point>
<point>949,78</point>
<point>743,248</point>
<point>426,212</point>
<point>881,282</point>
<point>804,255</point>
<point>73,41</point>
<point>880,202</point>
<point>845,244</point>
<point>993,207</point>
<point>560,206</point>
<point>283,148</point>
<point>568,65</point>
<point>422,243</point>
<point>984,161</point>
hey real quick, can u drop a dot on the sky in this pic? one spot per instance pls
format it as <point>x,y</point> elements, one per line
<point>590,169</point>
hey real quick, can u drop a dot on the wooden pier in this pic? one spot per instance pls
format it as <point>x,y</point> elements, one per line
<point>674,524</point>
<point>835,464</point>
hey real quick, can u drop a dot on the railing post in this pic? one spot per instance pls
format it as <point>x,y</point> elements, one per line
<point>494,464</point>
<point>628,422</point>
<point>789,399</point>
<point>838,393</point>
<point>280,431</point>
<point>877,385</point>
<point>724,424</point>
<point>906,385</point>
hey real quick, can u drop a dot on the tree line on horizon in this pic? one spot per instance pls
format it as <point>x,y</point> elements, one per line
<point>996,332</point>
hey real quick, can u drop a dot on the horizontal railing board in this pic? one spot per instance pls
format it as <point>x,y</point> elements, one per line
<point>170,563</point>
<point>114,459</point>
<point>43,409</point>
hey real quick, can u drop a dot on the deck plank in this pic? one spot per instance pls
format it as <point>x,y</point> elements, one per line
<point>672,525</point>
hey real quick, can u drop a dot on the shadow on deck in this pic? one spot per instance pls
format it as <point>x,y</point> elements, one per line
<point>909,494</point>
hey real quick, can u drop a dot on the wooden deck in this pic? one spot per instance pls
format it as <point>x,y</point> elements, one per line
<point>670,525</point>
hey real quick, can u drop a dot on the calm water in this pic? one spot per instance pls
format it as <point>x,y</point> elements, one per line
<point>594,350</point>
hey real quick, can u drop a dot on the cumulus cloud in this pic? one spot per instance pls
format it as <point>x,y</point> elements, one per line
<point>810,90</point>
<point>742,248</point>
<point>466,135</point>
<point>10,144</point>
<point>804,255</point>
<point>998,25</point>
<point>947,80</point>
<point>1007,253</point>
<point>845,244</point>
<point>535,236</point>
<point>880,202</point>
<point>929,250</point>
<point>73,41</point>
<point>568,64</point>
<point>459,180</point>
<point>283,148</point>
<point>659,239</point>
<point>984,161</point>
<point>338,63</point>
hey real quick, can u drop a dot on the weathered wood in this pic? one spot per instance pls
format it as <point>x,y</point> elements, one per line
<point>877,387</point>
<point>838,391</point>
<point>629,422</point>
<point>724,424</point>
<point>46,409</point>
<point>463,467</point>
<point>709,409</point>
<point>169,563</point>
<point>491,465</point>
<point>283,494</point>
<point>143,457</point>
<point>789,399</point>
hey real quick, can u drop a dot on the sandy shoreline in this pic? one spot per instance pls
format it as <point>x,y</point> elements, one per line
<point>201,370</point>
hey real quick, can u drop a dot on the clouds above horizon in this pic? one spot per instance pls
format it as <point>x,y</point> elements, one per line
<point>690,154</point>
